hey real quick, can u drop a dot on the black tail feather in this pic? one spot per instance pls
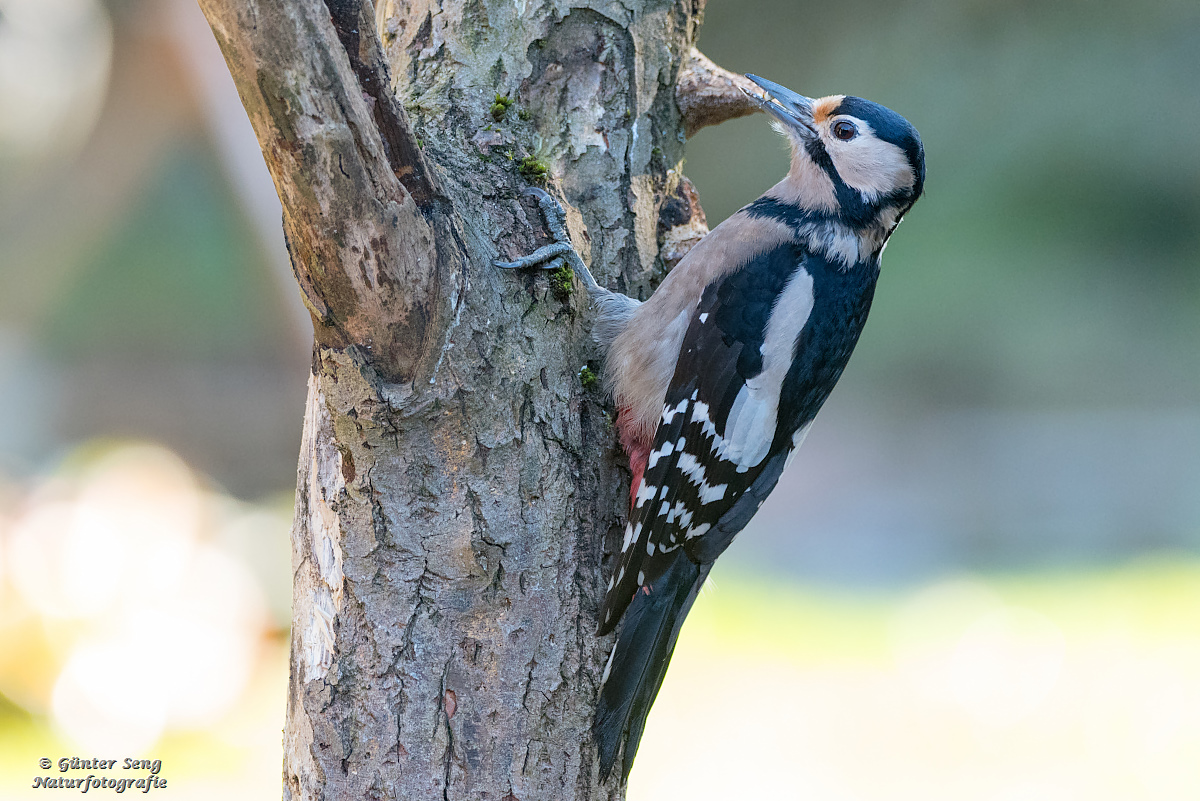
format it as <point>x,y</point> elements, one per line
<point>648,633</point>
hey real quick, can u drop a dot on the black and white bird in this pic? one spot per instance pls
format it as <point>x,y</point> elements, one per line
<point>718,375</point>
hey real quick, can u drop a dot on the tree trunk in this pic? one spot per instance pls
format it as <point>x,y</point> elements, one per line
<point>459,489</point>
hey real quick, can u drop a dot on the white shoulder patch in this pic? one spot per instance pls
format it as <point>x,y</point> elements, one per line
<point>750,428</point>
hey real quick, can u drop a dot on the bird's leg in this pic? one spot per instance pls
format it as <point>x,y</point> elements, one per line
<point>612,312</point>
<point>555,255</point>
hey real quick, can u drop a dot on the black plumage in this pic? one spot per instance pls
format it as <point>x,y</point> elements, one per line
<point>721,351</point>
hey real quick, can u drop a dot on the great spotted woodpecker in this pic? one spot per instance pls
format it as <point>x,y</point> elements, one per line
<point>719,374</point>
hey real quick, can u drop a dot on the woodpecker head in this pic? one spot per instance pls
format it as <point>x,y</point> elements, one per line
<point>851,158</point>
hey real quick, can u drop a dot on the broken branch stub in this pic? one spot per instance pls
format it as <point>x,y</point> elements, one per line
<point>708,94</point>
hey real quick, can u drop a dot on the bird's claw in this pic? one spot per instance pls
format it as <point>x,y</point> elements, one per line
<point>558,254</point>
<point>553,264</point>
<point>547,258</point>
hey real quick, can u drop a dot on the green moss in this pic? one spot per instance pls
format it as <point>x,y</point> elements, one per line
<point>524,115</point>
<point>588,378</point>
<point>533,169</point>
<point>562,282</point>
<point>500,107</point>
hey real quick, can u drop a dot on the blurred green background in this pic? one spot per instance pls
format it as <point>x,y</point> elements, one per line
<point>981,578</point>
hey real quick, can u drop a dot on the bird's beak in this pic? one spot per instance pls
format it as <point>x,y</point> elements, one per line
<point>792,109</point>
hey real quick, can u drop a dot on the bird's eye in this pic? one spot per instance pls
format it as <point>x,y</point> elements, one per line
<point>844,130</point>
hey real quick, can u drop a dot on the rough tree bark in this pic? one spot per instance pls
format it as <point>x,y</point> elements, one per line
<point>459,489</point>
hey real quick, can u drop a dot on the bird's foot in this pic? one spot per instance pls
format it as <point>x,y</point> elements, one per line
<point>549,257</point>
<point>561,252</point>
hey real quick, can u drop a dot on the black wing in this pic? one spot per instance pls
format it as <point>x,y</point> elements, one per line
<point>691,497</point>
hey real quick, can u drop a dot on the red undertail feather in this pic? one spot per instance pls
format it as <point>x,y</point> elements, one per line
<point>637,445</point>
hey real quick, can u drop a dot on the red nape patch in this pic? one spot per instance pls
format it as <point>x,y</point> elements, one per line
<point>637,447</point>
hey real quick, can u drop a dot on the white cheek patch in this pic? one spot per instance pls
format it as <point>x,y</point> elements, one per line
<point>750,428</point>
<point>872,166</point>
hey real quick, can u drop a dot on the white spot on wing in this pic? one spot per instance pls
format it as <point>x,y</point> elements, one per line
<point>694,471</point>
<point>666,450</point>
<point>691,468</point>
<point>611,654</point>
<point>797,441</point>
<point>801,433</point>
<point>669,414</point>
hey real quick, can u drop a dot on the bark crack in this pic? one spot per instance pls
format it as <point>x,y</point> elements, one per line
<point>356,31</point>
<point>449,753</point>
